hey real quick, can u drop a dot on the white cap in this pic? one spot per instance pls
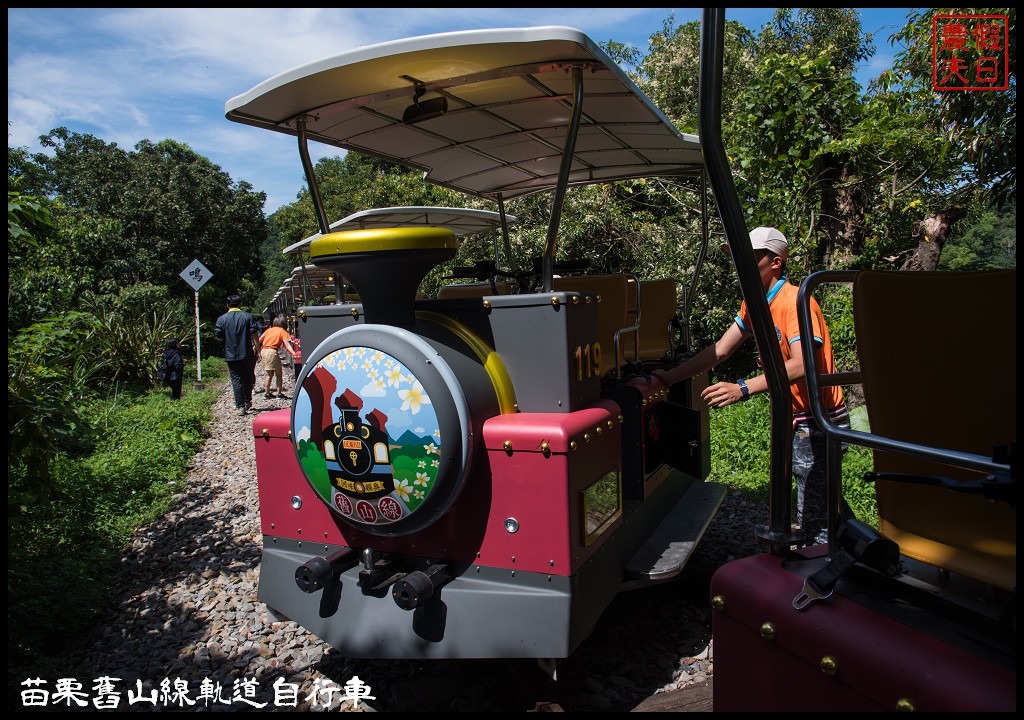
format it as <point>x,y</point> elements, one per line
<point>770,239</point>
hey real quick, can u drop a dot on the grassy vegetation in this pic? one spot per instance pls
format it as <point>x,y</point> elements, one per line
<point>62,554</point>
<point>740,457</point>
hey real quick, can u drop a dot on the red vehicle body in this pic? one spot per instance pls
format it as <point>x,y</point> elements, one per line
<point>554,471</point>
<point>476,474</point>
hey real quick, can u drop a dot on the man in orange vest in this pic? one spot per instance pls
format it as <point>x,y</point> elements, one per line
<point>771,250</point>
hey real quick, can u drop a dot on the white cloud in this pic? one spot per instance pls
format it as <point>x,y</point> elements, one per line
<point>125,75</point>
<point>398,418</point>
<point>371,390</point>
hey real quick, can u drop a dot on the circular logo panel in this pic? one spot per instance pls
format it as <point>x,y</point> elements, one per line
<point>367,436</point>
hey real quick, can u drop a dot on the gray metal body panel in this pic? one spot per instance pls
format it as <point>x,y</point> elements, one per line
<point>483,612</point>
<point>525,614</point>
<point>319,322</point>
<point>534,338</point>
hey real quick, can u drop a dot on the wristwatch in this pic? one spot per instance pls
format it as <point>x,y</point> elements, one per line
<point>744,389</point>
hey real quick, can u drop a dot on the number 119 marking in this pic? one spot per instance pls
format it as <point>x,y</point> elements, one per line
<point>588,360</point>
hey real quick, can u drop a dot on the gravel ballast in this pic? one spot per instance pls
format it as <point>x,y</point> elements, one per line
<point>188,617</point>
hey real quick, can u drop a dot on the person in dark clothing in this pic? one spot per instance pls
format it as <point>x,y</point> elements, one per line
<point>237,329</point>
<point>175,365</point>
<point>297,357</point>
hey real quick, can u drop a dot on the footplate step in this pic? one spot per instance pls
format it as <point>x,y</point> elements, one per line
<point>665,553</point>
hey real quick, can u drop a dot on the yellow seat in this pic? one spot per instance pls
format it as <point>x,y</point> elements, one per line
<point>657,310</point>
<point>924,339</point>
<point>614,315</point>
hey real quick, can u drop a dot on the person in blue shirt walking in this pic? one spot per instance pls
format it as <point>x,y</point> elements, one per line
<point>237,329</point>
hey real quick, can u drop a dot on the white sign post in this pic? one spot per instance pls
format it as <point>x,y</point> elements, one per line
<point>196,275</point>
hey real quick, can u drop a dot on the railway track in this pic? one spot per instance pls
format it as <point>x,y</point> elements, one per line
<point>188,611</point>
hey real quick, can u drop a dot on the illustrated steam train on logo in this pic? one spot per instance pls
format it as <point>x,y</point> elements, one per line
<point>357,467</point>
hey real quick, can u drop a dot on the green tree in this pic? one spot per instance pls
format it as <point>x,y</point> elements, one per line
<point>973,132</point>
<point>84,171</point>
<point>835,32</point>
<point>347,185</point>
<point>792,114</point>
<point>24,175</point>
<point>988,242</point>
<point>50,371</point>
<point>980,127</point>
<point>125,218</point>
<point>181,207</point>
<point>669,73</point>
<point>26,215</point>
<point>29,222</point>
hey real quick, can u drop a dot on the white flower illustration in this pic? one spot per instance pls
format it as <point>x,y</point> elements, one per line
<point>394,376</point>
<point>403,489</point>
<point>413,398</point>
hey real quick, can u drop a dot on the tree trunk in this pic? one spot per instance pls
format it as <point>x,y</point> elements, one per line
<point>931,233</point>
<point>850,209</point>
<point>842,214</point>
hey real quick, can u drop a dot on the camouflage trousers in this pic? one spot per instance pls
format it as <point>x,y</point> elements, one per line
<point>809,468</point>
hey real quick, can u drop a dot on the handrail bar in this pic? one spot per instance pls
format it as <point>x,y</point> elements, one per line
<point>634,328</point>
<point>779,533</point>
<point>969,461</point>
<point>564,170</point>
<point>837,435</point>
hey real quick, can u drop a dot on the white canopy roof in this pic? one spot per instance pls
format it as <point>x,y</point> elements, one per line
<point>461,221</point>
<point>508,96</point>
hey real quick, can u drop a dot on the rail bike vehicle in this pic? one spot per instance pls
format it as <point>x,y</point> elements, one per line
<point>311,283</point>
<point>919,615</point>
<point>479,473</point>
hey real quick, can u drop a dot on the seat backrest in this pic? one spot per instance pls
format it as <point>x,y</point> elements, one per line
<point>925,340</point>
<point>465,290</point>
<point>613,315</point>
<point>658,304</point>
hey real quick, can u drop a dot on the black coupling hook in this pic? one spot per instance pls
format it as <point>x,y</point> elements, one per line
<point>315,573</point>
<point>417,587</point>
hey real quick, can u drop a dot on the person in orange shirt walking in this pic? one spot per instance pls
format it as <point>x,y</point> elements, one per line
<point>272,339</point>
<point>771,250</point>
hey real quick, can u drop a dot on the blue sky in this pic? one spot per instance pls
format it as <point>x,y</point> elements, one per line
<point>125,75</point>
